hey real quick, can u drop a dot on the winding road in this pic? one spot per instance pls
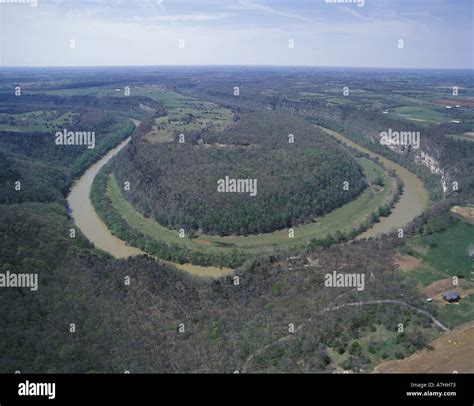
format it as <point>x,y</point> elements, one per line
<point>261,350</point>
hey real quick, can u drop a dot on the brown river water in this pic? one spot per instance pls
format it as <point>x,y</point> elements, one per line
<point>412,203</point>
<point>87,220</point>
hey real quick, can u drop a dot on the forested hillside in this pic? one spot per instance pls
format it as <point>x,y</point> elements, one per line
<point>30,156</point>
<point>176,183</point>
<point>274,313</point>
<point>362,104</point>
<point>136,326</point>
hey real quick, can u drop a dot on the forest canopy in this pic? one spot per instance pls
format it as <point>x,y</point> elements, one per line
<point>176,182</point>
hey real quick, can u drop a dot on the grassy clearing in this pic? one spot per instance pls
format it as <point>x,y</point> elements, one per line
<point>344,219</point>
<point>40,121</point>
<point>338,100</point>
<point>421,114</point>
<point>445,256</point>
<point>381,344</point>
<point>448,250</point>
<point>469,136</point>
<point>84,91</point>
<point>201,271</point>
<point>169,98</point>
<point>452,351</point>
<point>456,314</point>
<point>384,344</point>
<point>185,113</point>
<point>186,118</point>
<point>309,95</point>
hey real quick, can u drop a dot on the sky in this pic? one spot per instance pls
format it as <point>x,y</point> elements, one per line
<point>354,33</point>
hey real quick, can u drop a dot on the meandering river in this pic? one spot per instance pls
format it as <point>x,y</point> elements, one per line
<point>87,220</point>
<point>85,216</point>
<point>412,203</point>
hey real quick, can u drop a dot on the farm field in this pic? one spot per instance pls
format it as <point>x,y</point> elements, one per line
<point>186,117</point>
<point>421,114</point>
<point>157,92</point>
<point>452,352</point>
<point>431,263</point>
<point>379,345</point>
<point>36,121</point>
<point>468,136</point>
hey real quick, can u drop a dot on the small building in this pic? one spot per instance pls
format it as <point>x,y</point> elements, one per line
<point>451,296</point>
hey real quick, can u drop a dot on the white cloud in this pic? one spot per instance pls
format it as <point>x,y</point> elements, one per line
<point>249,5</point>
<point>182,18</point>
<point>223,35</point>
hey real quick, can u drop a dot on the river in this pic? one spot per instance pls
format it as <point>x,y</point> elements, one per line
<point>85,216</point>
<point>87,220</point>
<point>412,203</point>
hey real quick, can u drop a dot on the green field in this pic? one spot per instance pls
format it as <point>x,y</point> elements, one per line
<point>169,98</point>
<point>185,113</point>
<point>338,100</point>
<point>343,219</point>
<point>381,344</point>
<point>40,121</point>
<point>456,314</point>
<point>418,113</point>
<point>446,256</point>
<point>185,118</point>
<point>469,136</point>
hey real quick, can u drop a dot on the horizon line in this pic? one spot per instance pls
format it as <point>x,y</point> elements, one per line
<point>228,65</point>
